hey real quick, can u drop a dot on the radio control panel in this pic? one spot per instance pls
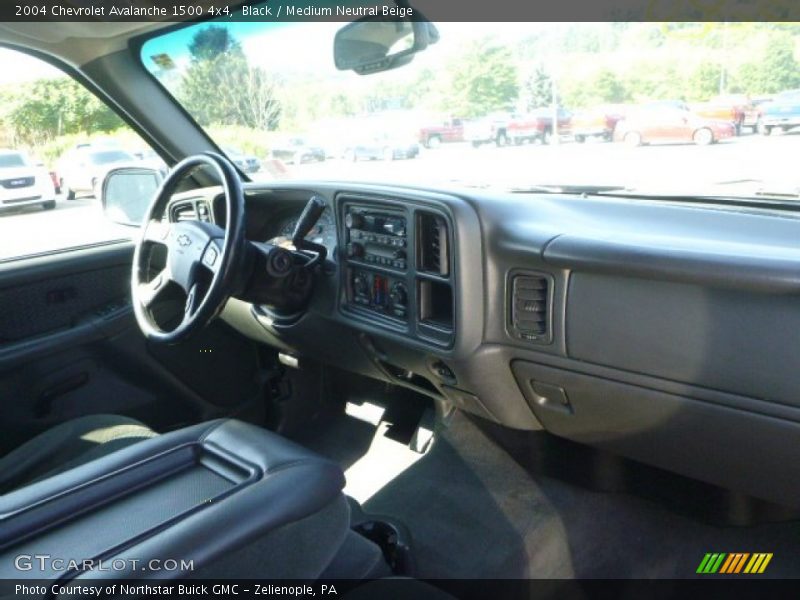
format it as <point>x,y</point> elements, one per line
<point>376,237</point>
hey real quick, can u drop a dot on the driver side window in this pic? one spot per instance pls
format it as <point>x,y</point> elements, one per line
<point>57,143</point>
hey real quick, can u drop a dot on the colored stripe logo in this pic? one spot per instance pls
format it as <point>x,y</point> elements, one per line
<point>734,563</point>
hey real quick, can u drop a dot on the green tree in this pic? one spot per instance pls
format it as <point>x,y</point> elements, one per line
<point>46,108</point>
<point>780,69</point>
<point>747,79</point>
<point>484,79</point>
<point>704,81</point>
<point>648,82</point>
<point>341,105</point>
<point>537,89</point>
<point>220,86</point>
<point>607,87</point>
<point>212,41</point>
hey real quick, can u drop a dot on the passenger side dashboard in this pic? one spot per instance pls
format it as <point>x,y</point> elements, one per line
<point>663,331</point>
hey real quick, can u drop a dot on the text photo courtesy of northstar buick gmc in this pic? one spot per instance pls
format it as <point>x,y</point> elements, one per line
<point>559,342</point>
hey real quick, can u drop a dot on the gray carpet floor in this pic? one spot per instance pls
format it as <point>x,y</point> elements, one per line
<point>474,512</point>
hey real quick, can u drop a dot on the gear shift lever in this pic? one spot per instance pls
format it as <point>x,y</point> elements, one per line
<point>311,214</point>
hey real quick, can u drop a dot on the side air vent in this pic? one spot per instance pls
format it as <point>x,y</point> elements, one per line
<point>432,244</point>
<point>184,212</point>
<point>190,211</point>
<point>530,308</point>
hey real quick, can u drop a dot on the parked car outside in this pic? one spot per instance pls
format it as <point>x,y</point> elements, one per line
<point>246,162</point>
<point>544,122</point>
<point>597,122</point>
<point>150,158</point>
<point>783,113</point>
<point>82,169</point>
<point>382,147</point>
<point>664,104</point>
<point>659,122</point>
<point>758,109</point>
<point>23,182</point>
<point>735,108</point>
<point>450,130</point>
<point>298,150</point>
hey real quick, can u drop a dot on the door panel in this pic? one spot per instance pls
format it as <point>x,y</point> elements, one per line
<point>70,346</point>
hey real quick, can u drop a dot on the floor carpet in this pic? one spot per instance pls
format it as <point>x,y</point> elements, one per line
<point>474,512</point>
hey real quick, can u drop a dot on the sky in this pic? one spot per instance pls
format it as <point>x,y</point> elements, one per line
<point>19,67</point>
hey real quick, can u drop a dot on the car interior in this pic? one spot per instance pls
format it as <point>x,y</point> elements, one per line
<point>444,383</point>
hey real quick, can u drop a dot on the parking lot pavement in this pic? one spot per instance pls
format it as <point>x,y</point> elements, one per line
<point>746,157</point>
<point>653,168</point>
<point>72,223</point>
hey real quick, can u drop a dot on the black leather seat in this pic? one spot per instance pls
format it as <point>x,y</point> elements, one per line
<point>69,445</point>
<point>234,499</point>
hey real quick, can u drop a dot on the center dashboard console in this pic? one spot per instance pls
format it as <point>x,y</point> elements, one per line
<point>398,267</point>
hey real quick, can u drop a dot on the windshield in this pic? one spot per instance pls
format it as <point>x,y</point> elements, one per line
<point>11,160</point>
<point>662,108</point>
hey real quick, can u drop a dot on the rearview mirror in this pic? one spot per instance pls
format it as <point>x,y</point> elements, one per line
<point>374,44</point>
<point>127,192</point>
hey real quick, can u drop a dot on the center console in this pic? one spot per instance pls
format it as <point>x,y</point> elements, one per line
<point>203,496</point>
<point>398,267</point>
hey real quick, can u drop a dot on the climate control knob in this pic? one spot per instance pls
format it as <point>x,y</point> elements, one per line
<point>398,295</point>
<point>360,286</point>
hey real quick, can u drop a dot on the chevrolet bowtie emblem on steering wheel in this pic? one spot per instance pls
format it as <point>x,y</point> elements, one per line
<point>184,240</point>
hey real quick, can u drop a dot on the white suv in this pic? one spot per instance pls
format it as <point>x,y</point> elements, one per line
<point>82,169</point>
<point>23,183</point>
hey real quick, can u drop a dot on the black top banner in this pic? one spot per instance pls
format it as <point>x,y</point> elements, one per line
<point>435,10</point>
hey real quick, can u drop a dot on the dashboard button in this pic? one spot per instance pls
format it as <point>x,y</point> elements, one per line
<point>210,257</point>
<point>355,250</point>
<point>353,221</point>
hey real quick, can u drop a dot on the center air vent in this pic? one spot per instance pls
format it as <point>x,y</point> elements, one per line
<point>433,244</point>
<point>530,308</point>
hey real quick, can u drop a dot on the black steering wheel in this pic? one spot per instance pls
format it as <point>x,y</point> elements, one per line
<point>202,259</point>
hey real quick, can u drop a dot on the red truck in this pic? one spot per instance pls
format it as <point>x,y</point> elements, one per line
<point>738,109</point>
<point>516,129</point>
<point>451,130</point>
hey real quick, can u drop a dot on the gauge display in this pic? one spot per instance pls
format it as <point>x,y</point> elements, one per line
<point>323,232</point>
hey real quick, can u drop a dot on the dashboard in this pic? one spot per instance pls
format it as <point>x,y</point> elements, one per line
<point>659,330</point>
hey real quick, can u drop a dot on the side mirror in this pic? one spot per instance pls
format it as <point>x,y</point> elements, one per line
<point>374,44</point>
<point>127,192</point>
